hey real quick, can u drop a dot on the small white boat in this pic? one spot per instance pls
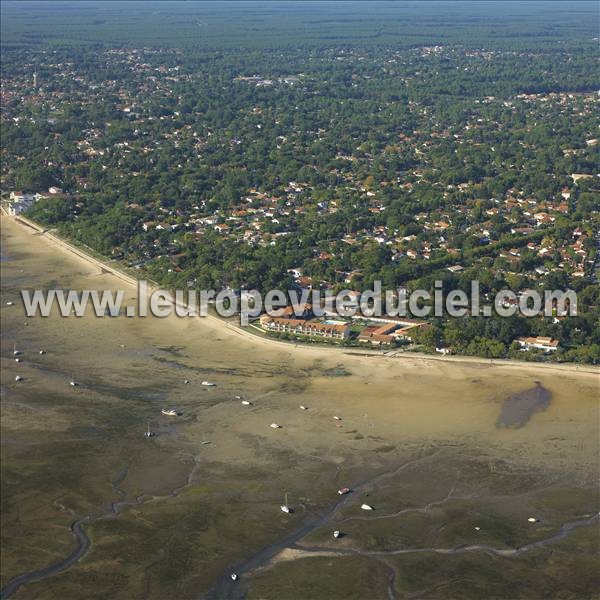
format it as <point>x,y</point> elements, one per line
<point>169,412</point>
<point>234,576</point>
<point>9,303</point>
<point>343,491</point>
<point>532,520</point>
<point>285,507</point>
<point>18,378</point>
<point>73,383</point>
<point>148,433</point>
<point>238,397</point>
<point>336,534</point>
<point>15,351</point>
<point>186,381</point>
<point>477,528</point>
<point>275,426</point>
<point>17,359</point>
<point>42,352</point>
<point>246,403</point>
<point>337,418</point>
<point>302,407</point>
<point>208,384</point>
<point>366,507</point>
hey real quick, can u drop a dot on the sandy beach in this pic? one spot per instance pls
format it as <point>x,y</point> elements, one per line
<point>246,333</point>
<point>421,439</point>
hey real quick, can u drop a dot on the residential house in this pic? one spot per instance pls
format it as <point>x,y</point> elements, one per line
<point>538,343</point>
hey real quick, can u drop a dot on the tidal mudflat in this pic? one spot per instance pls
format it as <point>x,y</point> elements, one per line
<point>452,469</point>
<point>519,408</point>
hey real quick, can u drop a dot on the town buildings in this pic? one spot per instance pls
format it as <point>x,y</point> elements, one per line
<point>309,328</point>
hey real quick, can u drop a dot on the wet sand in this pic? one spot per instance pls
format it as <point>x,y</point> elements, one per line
<point>518,409</point>
<point>62,446</point>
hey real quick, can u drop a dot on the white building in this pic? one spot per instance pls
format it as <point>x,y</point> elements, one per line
<point>538,343</point>
<point>20,202</point>
<point>22,197</point>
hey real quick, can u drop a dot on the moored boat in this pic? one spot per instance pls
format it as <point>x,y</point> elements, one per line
<point>285,507</point>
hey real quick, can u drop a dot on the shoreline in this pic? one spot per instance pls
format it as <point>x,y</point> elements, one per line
<point>70,248</point>
<point>435,421</point>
